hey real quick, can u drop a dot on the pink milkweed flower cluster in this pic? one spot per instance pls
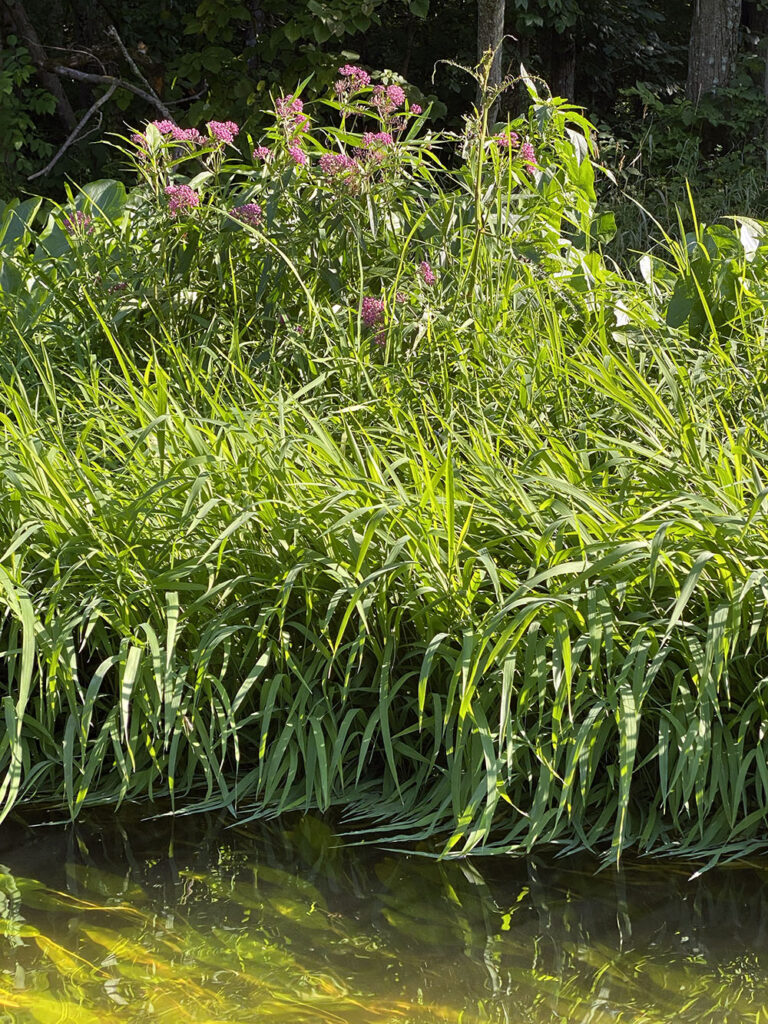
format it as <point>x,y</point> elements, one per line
<point>187,135</point>
<point>504,141</point>
<point>416,108</point>
<point>223,131</point>
<point>376,138</point>
<point>297,154</point>
<point>388,98</point>
<point>427,273</point>
<point>528,156</point>
<point>77,223</point>
<point>340,167</point>
<point>354,78</point>
<point>290,110</point>
<point>262,153</point>
<point>248,213</point>
<point>336,163</point>
<point>373,146</point>
<point>372,311</point>
<point>181,199</point>
<point>166,127</point>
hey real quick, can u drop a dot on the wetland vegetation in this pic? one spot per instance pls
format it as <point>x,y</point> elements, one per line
<point>342,468</point>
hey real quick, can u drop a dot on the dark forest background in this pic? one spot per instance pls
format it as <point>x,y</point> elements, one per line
<point>676,89</point>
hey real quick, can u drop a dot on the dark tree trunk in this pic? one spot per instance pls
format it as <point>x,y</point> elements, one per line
<point>563,64</point>
<point>490,32</point>
<point>26,32</point>
<point>713,46</point>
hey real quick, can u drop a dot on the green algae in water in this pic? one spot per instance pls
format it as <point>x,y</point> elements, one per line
<point>129,921</point>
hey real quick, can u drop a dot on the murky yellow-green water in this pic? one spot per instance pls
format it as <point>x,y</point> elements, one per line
<point>131,921</point>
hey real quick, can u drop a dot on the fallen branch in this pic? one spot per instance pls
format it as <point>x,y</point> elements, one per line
<point>73,135</point>
<point>119,83</point>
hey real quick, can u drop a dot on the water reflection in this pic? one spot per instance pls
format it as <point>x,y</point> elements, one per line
<point>124,920</point>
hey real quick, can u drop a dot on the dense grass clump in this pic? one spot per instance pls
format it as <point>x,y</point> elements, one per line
<point>330,476</point>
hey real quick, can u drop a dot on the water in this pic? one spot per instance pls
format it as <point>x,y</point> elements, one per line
<point>119,920</point>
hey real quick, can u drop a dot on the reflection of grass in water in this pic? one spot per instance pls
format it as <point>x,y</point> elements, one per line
<point>144,965</point>
<point>437,948</point>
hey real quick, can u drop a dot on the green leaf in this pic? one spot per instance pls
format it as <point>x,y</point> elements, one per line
<point>103,198</point>
<point>15,223</point>
<point>680,306</point>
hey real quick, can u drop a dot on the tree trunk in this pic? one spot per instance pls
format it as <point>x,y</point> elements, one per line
<point>25,30</point>
<point>563,64</point>
<point>713,46</point>
<point>490,32</point>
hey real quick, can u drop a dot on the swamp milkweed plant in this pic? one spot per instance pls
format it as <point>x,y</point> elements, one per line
<point>337,473</point>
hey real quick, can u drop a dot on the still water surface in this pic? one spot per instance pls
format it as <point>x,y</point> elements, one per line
<point>120,920</point>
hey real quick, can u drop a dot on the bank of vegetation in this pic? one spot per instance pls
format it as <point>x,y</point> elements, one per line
<point>332,478</point>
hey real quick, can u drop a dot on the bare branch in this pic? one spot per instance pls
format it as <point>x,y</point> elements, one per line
<point>190,99</point>
<point>112,31</point>
<point>73,135</point>
<point>120,83</point>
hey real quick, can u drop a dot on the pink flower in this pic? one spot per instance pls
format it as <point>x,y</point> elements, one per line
<point>341,168</point>
<point>396,96</point>
<point>248,213</point>
<point>380,338</point>
<point>528,155</point>
<point>286,105</point>
<point>223,131</point>
<point>164,127</point>
<point>358,78</point>
<point>262,153</point>
<point>187,135</point>
<point>372,311</point>
<point>372,144</point>
<point>427,274</point>
<point>77,223</point>
<point>298,155</point>
<point>181,199</point>
<point>290,111</point>
<point>167,127</point>
<point>415,108</point>
<point>336,163</point>
<point>505,141</point>
<point>387,98</point>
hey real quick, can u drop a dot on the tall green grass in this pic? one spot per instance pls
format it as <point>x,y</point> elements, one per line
<point>490,573</point>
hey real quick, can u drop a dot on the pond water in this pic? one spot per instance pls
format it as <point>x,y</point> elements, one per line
<point>123,920</point>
